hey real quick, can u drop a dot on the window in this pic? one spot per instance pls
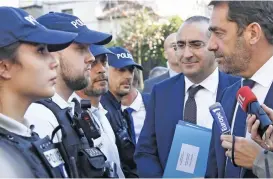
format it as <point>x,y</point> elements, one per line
<point>68,11</point>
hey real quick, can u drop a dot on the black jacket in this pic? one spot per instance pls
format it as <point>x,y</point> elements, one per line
<point>120,124</point>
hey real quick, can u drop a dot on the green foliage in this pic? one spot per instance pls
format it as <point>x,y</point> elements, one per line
<point>143,35</point>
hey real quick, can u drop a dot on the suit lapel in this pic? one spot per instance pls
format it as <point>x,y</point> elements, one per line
<point>268,100</point>
<point>172,113</point>
<point>228,102</point>
<point>222,84</point>
<point>178,99</point>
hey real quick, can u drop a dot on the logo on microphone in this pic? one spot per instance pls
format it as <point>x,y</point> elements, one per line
<point>241,100</point>
<point>221,119</point>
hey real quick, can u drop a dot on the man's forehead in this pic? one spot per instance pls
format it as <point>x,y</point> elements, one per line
<point>101,57</point>
<point>130,67</point>
<point>170,39</point>
<point>193,32</point>
<point>219,15</point>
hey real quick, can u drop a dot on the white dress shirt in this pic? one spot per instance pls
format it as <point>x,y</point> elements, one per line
<point>204,98</point>
<point>172,73</point>
<point>107,141</point>
<point>138,114</point>
<point>263,81</point>
<point>44,120</point>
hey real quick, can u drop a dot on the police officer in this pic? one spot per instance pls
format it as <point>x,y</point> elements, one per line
<point>98,85</point>
<point>121,72</point>
<point>13,164</point>
<point>27,73</point>
<point>50,117</point>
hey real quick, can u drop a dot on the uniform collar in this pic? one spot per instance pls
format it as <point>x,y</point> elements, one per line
<point>60,101</point>
<point>113,100</point>
<point>100,108</point>
<point>14,126</point>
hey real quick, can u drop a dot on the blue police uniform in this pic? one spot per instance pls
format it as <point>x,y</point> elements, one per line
<point>75,143</point>
<point>118,120</point>
<point>41,156</point>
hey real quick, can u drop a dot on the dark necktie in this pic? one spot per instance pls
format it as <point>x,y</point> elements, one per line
<point>131,123</point>
<point>190,111</point>
<point>239,129</point>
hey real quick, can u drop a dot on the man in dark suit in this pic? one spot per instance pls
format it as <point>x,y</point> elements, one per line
<point>174,69</point>
<point>243,45</point>
<point>174,99</point>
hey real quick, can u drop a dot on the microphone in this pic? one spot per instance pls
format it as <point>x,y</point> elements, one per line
<point>249,103</point>
<point>218,114</point>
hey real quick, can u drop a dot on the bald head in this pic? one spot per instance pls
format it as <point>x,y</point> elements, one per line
<point>171,39</point>
<point>169,52</point>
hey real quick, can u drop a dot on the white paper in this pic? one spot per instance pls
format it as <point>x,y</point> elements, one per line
<point>187,158</point>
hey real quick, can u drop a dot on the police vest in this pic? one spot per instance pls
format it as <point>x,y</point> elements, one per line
<point>89,161</point>
<point>33,155</point>
<point>118,121</point>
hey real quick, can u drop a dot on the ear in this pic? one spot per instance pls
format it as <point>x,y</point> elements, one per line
<point>5,69</point>
<point>253,33</point>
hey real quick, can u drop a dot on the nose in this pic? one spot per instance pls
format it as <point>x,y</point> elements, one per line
<point>53,63</point>
<point>212,44</point>
<point>100,68</point>
<point>187,52</point>
<point>129,74</point>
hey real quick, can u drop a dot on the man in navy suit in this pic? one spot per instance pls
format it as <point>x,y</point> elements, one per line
<point>173,99</point>
<point>174,69</point>
<point>241,38</point>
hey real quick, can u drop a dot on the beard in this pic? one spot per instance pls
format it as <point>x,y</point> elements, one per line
<point>73,82</point>
<point>92,91</point>
<point>238,61</point>
<point>123,92</point>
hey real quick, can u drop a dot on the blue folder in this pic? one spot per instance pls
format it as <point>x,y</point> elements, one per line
<point>189,151</point>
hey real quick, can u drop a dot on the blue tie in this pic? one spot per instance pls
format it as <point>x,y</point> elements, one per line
<point>131,124</point>
<point>239,129</point>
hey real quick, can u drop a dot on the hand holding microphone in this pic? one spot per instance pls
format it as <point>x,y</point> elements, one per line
<point>248,102</point>
<point>253,125</point>
<point>241,150</point>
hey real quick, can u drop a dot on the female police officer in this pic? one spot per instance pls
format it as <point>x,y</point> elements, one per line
<point>27,73</point>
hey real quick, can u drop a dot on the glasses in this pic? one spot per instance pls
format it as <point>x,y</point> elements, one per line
<point>193,45</point>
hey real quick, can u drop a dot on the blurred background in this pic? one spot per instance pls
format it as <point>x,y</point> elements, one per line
<point>138,25</point>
